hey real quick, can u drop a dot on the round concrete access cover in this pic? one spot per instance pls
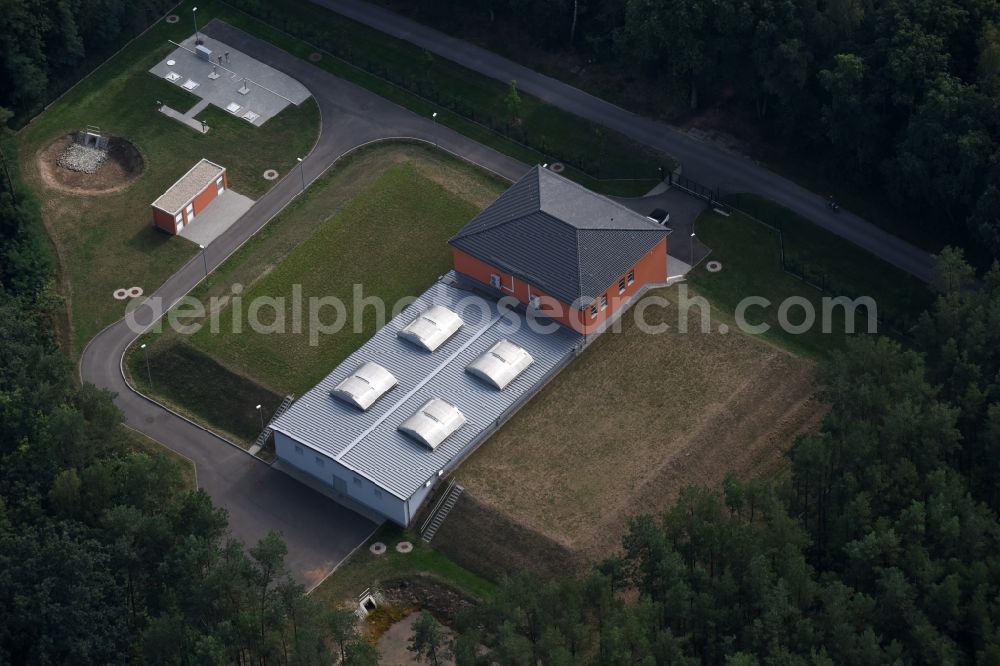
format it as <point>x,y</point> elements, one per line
<point>377,548</point>
<point>713,266</point>
<point>315,56</point>
<point>270,174</point>
<point>557,167</point>
<point>404,547</point>
<point>173,18</point>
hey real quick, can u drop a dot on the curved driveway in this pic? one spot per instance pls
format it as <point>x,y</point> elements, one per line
<point>702,161</point>
<point>259,499</point>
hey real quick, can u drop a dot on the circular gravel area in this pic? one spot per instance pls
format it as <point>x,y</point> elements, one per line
<point>173,18</point>
<point>270,174</point>
<point>713,266</point>
<point>377,548</point>
<point>69,167</point>
<point>404,547</point>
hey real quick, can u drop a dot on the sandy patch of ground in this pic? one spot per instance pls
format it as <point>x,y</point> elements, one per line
<point>392,645</point>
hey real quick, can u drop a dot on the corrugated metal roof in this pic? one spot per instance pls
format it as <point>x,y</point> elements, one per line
<point>568,241</point>
<point>369,442</point>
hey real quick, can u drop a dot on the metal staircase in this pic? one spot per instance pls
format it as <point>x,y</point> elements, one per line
<point>266,432</point>
<point>441,510</point>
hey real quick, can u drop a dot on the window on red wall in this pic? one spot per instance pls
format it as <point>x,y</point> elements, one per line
<point>621,286</point>
<point>604,301</point>
<point>631,277</point>
<point>593,310</point>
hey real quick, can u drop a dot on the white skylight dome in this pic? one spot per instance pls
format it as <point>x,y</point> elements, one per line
<point>433,423</point>
<point>364,386</point>
<point>432,327</point>
<point>500,364</point>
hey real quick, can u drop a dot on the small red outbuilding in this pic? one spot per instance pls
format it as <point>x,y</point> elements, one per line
<point>178,206</point>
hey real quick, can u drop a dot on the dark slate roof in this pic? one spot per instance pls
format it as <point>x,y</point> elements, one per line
<point>559,236</point>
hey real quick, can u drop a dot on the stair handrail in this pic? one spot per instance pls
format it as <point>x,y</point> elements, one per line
<point>437,506</point>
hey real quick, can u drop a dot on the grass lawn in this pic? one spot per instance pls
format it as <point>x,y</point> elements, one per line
<point>632,421</point>
<point>614,164</point>
<point>749,254</point>
<point>844,266</point>
<point>106,241</point>
<point>380,219</point>
<point>363,569</point>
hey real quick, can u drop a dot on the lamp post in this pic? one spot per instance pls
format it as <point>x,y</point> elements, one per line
<point>194,17</point>
<point>149,372</point>
<point>692,249</point>
<point>434,117</point>
<point>260,411</point>
<point>204,259</point>
<point>302,173</point>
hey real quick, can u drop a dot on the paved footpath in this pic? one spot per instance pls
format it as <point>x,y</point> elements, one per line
<point>702,161</point>
<point>320,533</point>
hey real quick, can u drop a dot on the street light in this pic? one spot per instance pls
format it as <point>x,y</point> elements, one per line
<point>194,17</point>
<point>149,373</point>
<point>434,117</point>
<point>692,249</point>
<point>261,412</point>
<point>302,173</point>
<point>204,259</point>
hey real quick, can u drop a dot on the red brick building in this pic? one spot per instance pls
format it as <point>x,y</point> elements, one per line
<point>555,246</point>
<point>180,205</point>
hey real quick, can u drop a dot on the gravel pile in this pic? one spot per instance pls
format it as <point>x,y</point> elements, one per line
<point>82,158</point>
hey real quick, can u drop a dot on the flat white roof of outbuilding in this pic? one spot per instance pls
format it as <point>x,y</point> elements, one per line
<point>370,443</point>
<point>188,186</point>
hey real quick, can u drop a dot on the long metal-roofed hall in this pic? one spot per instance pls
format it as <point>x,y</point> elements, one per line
<point>393,418</point>
<point>416,399</point>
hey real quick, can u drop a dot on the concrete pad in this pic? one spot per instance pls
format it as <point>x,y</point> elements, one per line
<point>259,89</point>
<point>218,216</point>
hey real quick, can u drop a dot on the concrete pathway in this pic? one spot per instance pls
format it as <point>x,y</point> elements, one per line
<point>218,216</point>
<point>320,532</point>
<point>703,162</point>
<point>184,118</point>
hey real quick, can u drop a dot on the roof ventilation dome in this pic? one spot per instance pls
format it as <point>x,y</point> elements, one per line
<point>364,386</point>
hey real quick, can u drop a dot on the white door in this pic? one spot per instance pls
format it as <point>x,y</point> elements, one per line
<point>178,223</point>
<point>219,187</point>
<point>189,212</point>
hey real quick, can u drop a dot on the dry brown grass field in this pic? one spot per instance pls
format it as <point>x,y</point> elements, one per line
<point>628,424</point>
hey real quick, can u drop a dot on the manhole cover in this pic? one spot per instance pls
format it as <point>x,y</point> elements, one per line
<point>134,292</point>
<point>173,18</point>
<point>120,294</point>
<point>404,547</point>
<point>713,266</point>
<point>557,167</point>
<point>377,548</point>
<point>270,174</point>
<point>315,56</point>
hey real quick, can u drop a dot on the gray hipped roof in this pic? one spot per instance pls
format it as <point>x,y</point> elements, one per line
<point>559,236</point>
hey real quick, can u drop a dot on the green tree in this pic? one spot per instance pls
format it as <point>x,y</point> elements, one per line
<point>512,102</point>
<point>427,641</point>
